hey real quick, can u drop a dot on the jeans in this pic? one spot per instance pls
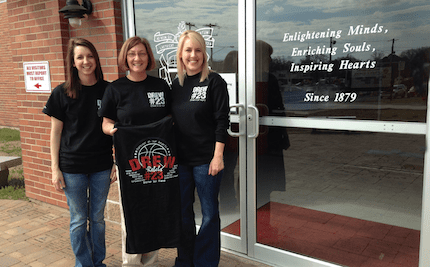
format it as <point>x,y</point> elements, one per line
<point>86,196</point>
<point>203,249</point>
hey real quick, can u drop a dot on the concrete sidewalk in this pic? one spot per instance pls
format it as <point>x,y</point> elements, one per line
<point>36,234</point>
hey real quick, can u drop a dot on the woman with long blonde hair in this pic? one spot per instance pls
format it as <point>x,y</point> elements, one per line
<point>200,108</point>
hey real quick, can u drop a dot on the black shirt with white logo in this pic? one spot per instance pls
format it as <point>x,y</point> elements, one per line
<point>136,103</point>
<point>200,111</point>
<point>84,148</point>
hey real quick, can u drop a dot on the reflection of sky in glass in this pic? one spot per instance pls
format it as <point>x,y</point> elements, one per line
<point>165,16</point>
<point>407,22</point>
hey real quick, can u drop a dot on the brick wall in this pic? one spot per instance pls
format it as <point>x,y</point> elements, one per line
<point>8,109</point>
<point>40,33</point>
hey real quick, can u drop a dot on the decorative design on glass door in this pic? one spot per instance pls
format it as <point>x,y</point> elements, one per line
<point>167,44</point>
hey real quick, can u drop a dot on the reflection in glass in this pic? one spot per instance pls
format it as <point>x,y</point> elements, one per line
<point>162,23</point>
<point>349,59</point>
<point>344,197</point>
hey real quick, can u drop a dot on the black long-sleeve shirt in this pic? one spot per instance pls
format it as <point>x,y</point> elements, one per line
<point>200,111</point>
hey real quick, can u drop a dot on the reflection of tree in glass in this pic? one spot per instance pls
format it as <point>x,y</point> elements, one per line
<point>377,55</point>
<point>419,60</point>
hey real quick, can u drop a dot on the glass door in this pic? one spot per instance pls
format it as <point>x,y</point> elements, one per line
<point>336,174</point>
<point>222,24</point>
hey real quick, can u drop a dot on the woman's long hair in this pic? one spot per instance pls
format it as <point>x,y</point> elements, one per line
<point>73,84</point>
<point>195,37</point>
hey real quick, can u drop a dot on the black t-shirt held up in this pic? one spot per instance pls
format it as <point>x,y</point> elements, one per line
<point>146,160</point>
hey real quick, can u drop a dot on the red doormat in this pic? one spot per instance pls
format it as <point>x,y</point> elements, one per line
<point>334,238</point>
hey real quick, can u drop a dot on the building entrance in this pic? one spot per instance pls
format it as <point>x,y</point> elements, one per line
<point>326,161</point>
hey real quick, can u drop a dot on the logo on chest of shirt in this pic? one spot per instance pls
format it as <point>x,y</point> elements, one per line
<point>199,93</point>
<point>156,99</point>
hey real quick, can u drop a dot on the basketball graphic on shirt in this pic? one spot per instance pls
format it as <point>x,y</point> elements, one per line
<point>152,161</point>
<point>151,148</point>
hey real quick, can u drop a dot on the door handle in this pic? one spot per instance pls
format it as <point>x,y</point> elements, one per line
<point>256,122</point>
<point>241,129</point>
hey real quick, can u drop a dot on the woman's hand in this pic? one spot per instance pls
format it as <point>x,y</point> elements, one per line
<point>58,180</point>
<point>112,131</point>
<point>216,165</point>
<point>108,126</point>
<point>217,162</point>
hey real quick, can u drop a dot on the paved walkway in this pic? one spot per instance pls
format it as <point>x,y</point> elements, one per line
<point>36,234</point>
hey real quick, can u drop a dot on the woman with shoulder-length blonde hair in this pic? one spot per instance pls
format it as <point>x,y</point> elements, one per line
<point>198,39</point>
<point>81,155</point>
<point>200,108</point>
